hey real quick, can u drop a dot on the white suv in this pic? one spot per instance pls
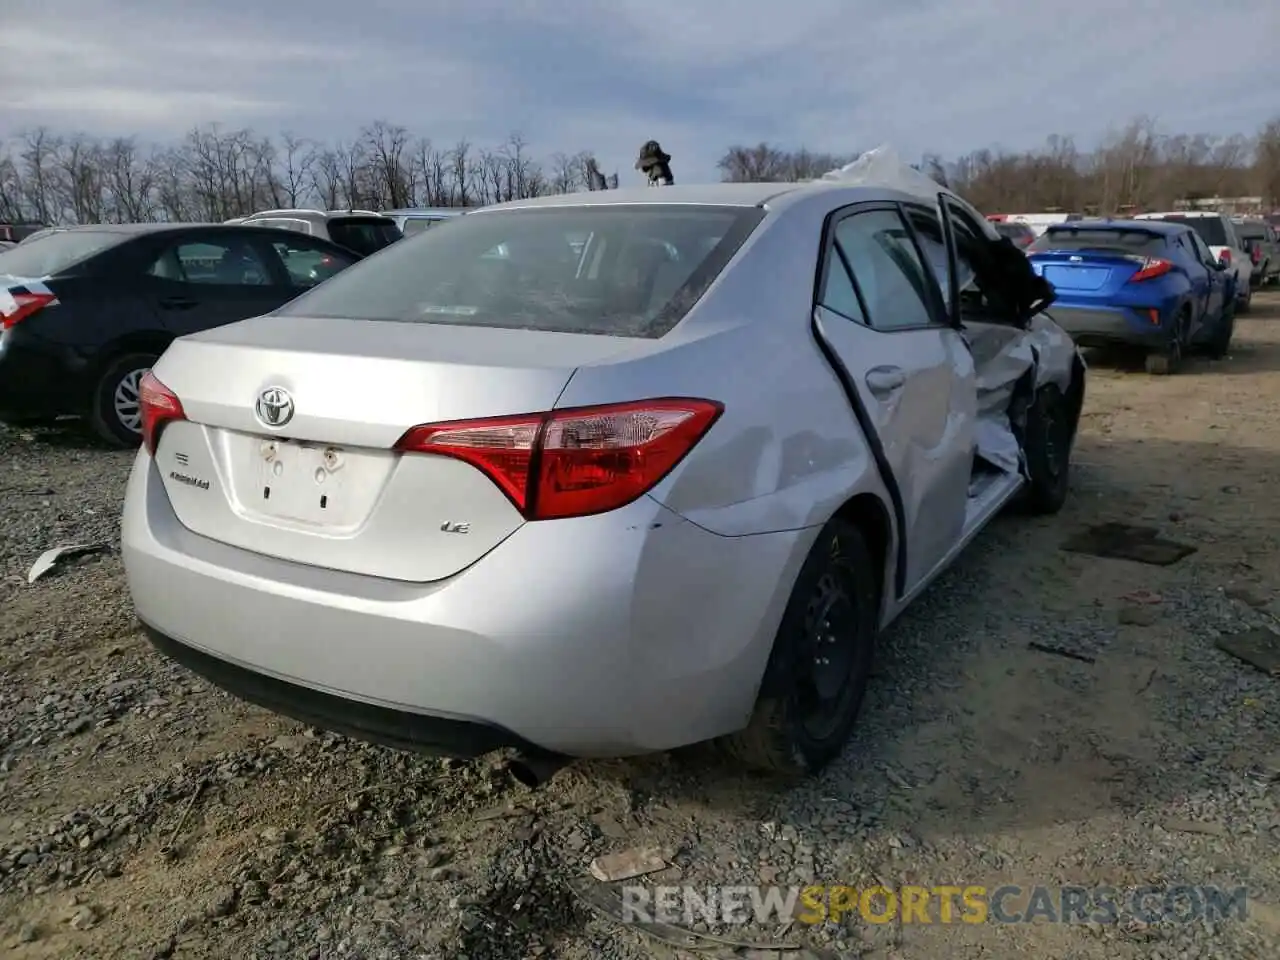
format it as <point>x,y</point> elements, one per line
<point>363,231</point>
<point>1217,230</point>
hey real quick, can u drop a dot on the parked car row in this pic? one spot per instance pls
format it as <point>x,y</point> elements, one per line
<point>123,293</point>
<point>1262,244</point>
<point>87,310</point>
<point>1165,283</point>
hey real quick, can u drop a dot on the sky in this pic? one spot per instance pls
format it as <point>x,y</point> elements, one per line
<point>605,75</point>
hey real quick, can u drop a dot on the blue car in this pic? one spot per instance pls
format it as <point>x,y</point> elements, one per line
<point>1149,284</point>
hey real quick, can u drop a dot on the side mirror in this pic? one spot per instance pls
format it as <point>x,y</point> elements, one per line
<point>1223,263</point>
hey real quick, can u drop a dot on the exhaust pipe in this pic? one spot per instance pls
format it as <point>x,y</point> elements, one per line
<point>534,771</point>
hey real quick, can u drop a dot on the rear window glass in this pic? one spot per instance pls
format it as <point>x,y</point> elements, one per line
<point>612,270</point>
<point>1120,241</point>
<point>1252,231</point>
<point>415,225</point>
<point>1210,229</point>
<point>364,236</point>
<point>55,252</point>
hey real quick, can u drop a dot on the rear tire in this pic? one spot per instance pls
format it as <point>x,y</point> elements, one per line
<point>1245,303</point>
<point>817,674</point>
<point>1220,345</point>
<point>115,415</point>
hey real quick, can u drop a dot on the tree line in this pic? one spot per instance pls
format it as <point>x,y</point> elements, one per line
<point>214,173</point>
<point>1138,167</point>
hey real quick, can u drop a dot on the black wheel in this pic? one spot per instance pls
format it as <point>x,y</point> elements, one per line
<point>817,675</point>
<point>1047,445</point>
<point>1245,303</point>
<point>1220,344</point>
<point>116,416</point>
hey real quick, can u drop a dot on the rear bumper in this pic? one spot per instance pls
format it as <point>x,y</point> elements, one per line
<point>37,379</point>
<point>613,635</point>
<point>1106,326</point>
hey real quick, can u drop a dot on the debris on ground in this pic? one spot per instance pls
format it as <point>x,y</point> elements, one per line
<point>1123,541</point>
<point>50,559</point>
<point>1259,647</point>
<point>1060,652</point>
<point>626,864</point>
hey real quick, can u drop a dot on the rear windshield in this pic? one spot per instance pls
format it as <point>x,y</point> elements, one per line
<point>630,271</point>
<point>1006,229</point>
<point>1252,231</point>
<point>1210,229</point>
<point>1110,240</point>
<point>55,252</point>
<point>364,235</point>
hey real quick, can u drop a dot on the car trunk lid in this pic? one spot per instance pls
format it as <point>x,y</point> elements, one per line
<point>325,486</point>
<point>1096,273</point>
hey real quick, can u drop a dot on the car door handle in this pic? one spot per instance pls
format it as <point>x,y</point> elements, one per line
<point>883,381</point>
<point>178,303</point>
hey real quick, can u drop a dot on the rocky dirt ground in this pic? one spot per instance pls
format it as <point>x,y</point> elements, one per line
<point>145,814</point>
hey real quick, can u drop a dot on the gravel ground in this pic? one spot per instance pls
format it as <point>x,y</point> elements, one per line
<point>146,814</point>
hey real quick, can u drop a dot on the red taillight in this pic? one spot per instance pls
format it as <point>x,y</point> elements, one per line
<point>575,462</point>
<point>1225,257</point>
<point>1151,269</point>
<point>159,406</point>
<point>1256,255</point>
<point>25,304</point>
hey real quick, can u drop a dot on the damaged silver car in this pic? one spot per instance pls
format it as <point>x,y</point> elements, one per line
<point>602,474</point>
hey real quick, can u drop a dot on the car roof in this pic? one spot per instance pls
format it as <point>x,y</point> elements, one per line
<point>1185,214</point>
<point>141,229</point>
<point>702,194</point>
<point>1162,227</point>
<point>427,212</point>
<point>127,228</point>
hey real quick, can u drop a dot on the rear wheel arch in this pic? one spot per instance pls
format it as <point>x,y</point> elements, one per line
<point>869,514</point>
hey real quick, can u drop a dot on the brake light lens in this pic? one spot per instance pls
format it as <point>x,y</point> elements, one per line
<point>159,406</point>
<point>24,305</point>
<point>1150,269</point>
<point>1256,254</point>
<point>574,462</point>
<point>1225,256</point>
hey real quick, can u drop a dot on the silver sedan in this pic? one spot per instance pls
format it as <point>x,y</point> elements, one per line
<point>601,474</point>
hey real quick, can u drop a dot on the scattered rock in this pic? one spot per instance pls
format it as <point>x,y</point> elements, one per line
<point>83,918</point>
<point>1141,616</point>
<point>626,864</point>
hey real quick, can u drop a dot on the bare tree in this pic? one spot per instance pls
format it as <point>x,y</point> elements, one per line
<point>214,173</point>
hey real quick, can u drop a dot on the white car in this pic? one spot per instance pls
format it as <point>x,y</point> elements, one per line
<point>1217,230</point>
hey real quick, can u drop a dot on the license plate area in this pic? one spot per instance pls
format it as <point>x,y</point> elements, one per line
<point>303,483</point>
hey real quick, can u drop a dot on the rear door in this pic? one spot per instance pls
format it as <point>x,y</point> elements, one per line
<point>197,280</point>
<point>979,278</point>
<point>881,316</point>
<point>1216,278</point>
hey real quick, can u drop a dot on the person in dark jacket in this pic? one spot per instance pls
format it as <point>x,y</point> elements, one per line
<point>655,164</point>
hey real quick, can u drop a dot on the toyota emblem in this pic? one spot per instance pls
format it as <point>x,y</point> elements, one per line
<point>275,406</point>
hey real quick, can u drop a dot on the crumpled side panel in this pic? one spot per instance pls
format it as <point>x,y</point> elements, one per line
<point>1002,355</point>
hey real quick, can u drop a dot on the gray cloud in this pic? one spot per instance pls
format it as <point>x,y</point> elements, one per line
<point>835,75</point>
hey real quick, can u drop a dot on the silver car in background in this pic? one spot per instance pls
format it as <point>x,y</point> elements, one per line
<point>601,474</point>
